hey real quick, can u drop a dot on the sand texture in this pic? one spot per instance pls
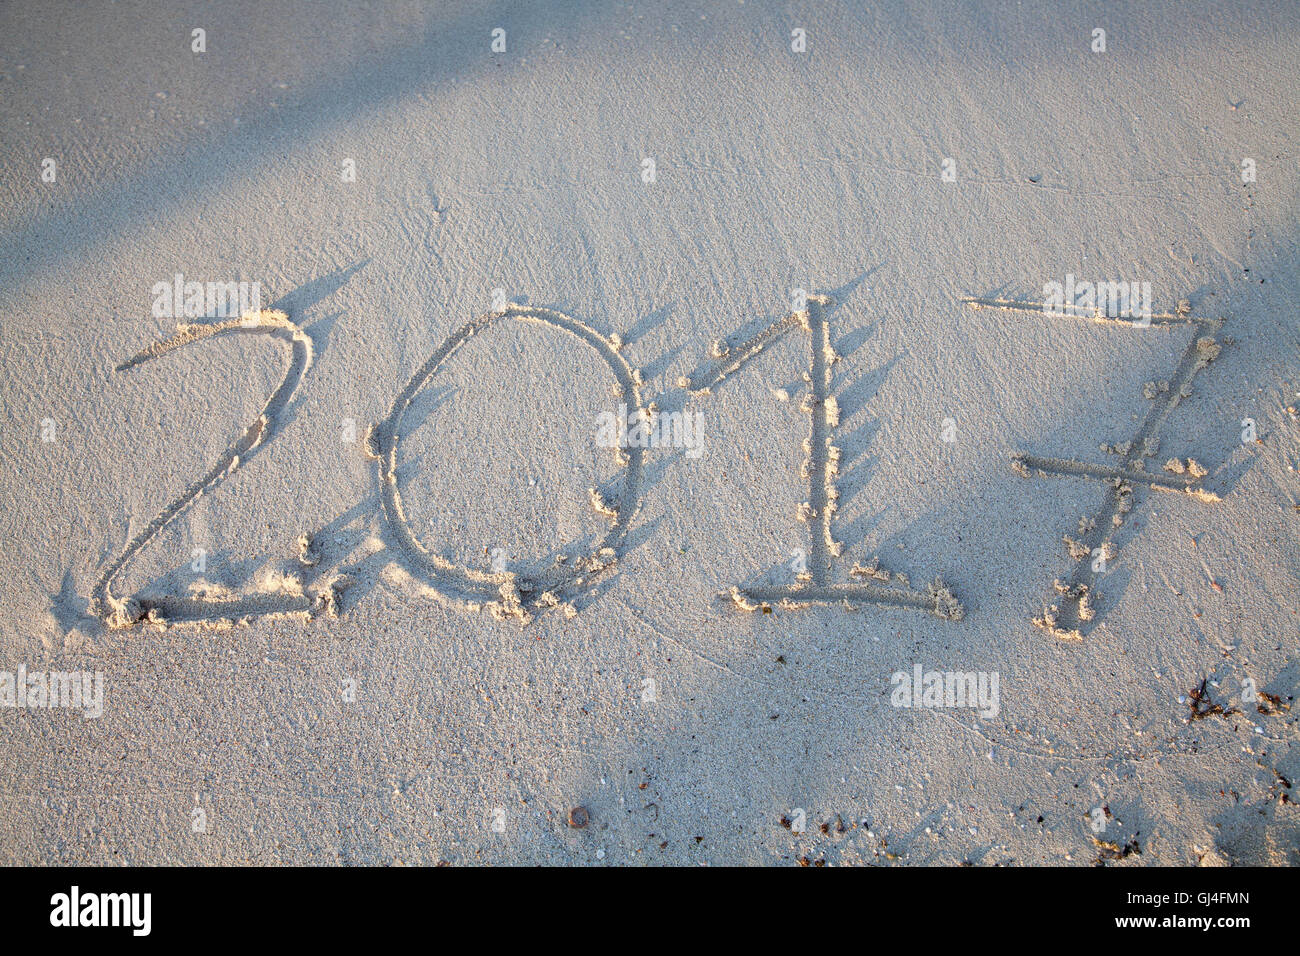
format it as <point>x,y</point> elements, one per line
<point>643,431</point>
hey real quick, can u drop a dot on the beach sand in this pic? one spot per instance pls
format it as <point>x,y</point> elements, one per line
<point>494,619</point>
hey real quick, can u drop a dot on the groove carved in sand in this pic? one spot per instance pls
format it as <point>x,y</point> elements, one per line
<point>1072,610</point>
<point>815,586</point>
<point>506,594</point>
<point>212,606</point>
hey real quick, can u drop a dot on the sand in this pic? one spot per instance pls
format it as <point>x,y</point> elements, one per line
<point>359,584</point>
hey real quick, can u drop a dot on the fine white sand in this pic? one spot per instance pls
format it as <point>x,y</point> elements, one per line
<point>468,642</point>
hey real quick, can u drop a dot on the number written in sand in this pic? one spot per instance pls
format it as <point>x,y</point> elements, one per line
<point>813,584</point>
<point>117,612</point>
<point>511,594</point>
<point>507,594</point>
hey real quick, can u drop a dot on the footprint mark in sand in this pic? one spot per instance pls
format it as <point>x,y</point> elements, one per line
<point>507,594</point>
<point>815,586</point>
<point>1072,610</point>
<point>217,608</point>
